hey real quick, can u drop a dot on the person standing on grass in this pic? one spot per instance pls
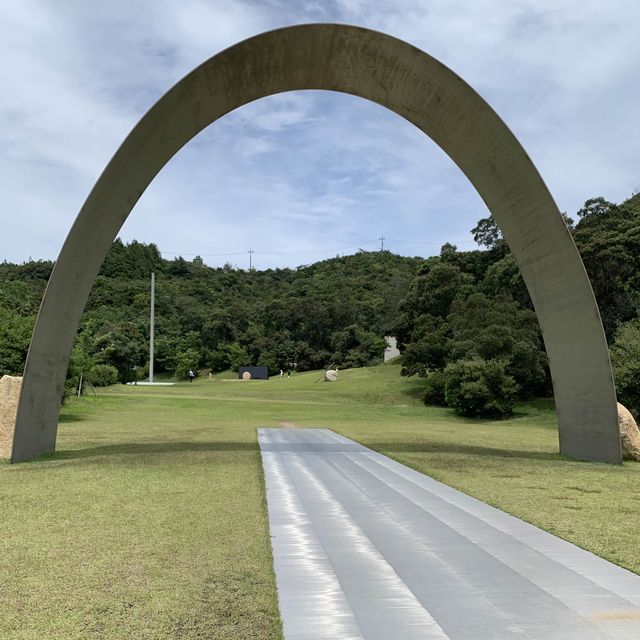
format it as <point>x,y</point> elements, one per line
<point>191,375</point>
<point>281,373</point>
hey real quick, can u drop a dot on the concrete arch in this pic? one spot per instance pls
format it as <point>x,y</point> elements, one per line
<point>417,87</point>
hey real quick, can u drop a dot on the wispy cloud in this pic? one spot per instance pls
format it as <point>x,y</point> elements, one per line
<point>304,172</point>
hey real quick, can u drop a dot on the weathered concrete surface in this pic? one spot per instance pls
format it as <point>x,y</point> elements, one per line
<point>9,395</point>
<point>417,87</point>
<point>364,547</point>
<point>629,434</point>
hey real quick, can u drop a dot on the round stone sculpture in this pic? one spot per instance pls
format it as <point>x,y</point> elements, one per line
<point>331,375</point>
<point>415,86</point>
<point>629,434</point>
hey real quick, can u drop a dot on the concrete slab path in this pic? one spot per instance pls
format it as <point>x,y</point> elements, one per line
<point>366,548</point>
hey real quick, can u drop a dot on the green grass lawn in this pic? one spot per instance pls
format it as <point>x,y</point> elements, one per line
<point>150,520</point>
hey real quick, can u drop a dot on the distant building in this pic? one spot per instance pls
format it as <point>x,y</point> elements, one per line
<point>392,350</point>
<point>255,373</point>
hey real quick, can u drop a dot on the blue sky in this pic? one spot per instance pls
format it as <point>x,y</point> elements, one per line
<point>308,175</point>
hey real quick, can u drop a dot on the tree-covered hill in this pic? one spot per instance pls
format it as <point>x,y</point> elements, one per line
<point>464,319</point>
<point>338,309</point>
<point>467,324</point>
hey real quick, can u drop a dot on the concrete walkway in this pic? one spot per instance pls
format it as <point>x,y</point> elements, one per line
<point>365,547</point>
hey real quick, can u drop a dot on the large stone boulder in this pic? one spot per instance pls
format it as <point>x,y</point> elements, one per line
<point>629,434</point>
<point>9,396</point>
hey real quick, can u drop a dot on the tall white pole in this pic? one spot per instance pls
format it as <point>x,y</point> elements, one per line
<point>151,324</point>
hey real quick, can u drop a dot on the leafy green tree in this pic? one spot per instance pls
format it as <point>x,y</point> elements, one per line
<point>122,346</point>
<point>480,388</point>
<point>36,270</point>
<point>15,335</point>
<point>503,277</point>
<point>218,328</point>
<point>218,359</point>
<point>435,292</point>
<point>487,233</point>
<point>435,388</point>
<point>186,360</point>
<point>102,375</point>
<point>309,358</point>
<point>608,238</point>
<point>596,207</point>
<point>229,356</point>
<point>191,313</point>
<point>20,298</point>
<point>180,268</point>
<point>135,259</point>
<point>277,352</point>
<point>428,346</point>
<point>625,358</point>
<point>355,347</point>
<point>498,329</point>
<point>569,221</point>
<point>448,250</point>
<point>237,356</point>
<point>430,296</point>
<point>80,365</point>
<point>166,347</point>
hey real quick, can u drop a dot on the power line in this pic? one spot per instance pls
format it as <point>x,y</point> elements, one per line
<point>319,251</point>
<point>341,250</point>
<point>272,253</point>
<point>438,243</point>
<point>204,255</point>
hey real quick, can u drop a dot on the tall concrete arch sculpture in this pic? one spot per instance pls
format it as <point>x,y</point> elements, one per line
<point>417,87</point>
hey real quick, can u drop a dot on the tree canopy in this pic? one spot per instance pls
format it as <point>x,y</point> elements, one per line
<point>464,319</point>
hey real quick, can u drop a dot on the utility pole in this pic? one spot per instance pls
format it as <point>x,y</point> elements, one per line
<point>151,324</point>
<point>382,239</point>
<point>250,252</point>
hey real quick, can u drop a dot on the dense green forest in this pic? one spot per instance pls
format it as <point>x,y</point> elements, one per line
<point>463,319</point>
<point>335,310</point>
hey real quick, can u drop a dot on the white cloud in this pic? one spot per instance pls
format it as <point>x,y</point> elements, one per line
<point>312,170</point>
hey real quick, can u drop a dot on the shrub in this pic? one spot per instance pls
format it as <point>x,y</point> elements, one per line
<point>102,375</point>
<point>497,329</point>
<point>70,389</point>
<point>218,359</point>
<point>625,358</point>
<point>356,347</point>
<point>480,388</point>
<point>435,388</point>
<point>237,356</point>
<point>186,360</point>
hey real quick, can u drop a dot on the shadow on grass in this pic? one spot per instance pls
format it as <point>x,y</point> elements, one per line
<point>415,390</point>
<point>72,417</point>
<point>524,409</point>
<point>464,449</point>
<point>142,448</point>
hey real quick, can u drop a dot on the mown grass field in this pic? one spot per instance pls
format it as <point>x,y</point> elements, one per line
<point>150,520</point>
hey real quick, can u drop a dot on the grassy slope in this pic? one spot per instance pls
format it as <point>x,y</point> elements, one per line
<point>150,520</point>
